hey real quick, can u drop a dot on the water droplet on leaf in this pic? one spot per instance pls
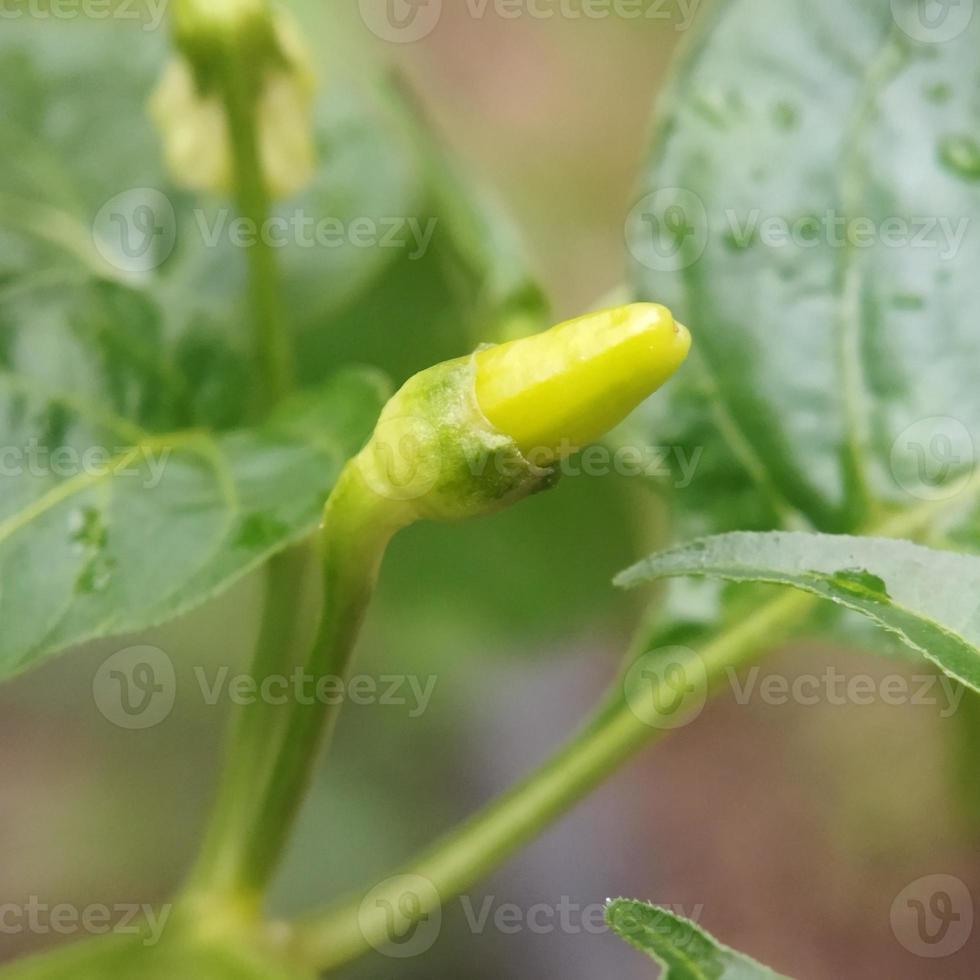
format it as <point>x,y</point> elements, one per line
<point>861,582</point>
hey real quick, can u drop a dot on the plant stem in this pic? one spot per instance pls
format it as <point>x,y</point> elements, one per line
<point>273,746</point>
<point>356,528</point>
<point>272,347</point>
<point>332,938</point>
<point>255,740</point>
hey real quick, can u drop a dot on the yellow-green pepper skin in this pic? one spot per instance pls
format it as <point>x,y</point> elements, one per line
<point>472,435</point>
<point>557,391</point>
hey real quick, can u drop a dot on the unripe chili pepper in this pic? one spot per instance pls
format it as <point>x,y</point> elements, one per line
<point>557,391</point>
<point>472,435</point>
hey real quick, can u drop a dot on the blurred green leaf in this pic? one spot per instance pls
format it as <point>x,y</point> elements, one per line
<point>389,257</point>
<point>154,342</point>
<point>929,599</point>
<point>804,212</point>
<point>685,951</point>
<point>106,528</point>
<point>388,241</point>
<point>73,100</point>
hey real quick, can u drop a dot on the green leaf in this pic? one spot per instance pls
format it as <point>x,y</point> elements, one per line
<point>838,368</point>
<point>96,354</point>
<point>439,264</point>
<point>73,102</point>
<point>69,91</point>
<point>685,951</point>
<point>930,599</point>
<point>106,528</point>
<point>167,348</point>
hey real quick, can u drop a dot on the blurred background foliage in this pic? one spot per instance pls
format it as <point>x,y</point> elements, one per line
<point>788,830</point>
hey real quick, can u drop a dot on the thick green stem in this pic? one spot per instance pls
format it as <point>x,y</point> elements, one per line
<point>274,741</point>
<point>272,347</point>
<point>339,935</point>
<point>256,738</point>
<point>356,528</point>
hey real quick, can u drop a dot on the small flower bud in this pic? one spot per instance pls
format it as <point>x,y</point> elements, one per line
<point>194,130</point>
<point>216,40</point>
<point>200,24</point>
<point>472,435</point>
